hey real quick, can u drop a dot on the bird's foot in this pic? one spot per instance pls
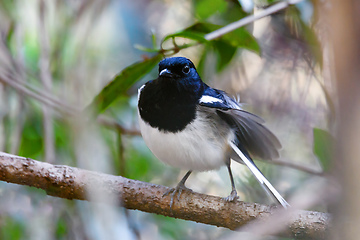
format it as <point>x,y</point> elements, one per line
<point>232,197</point>
<point>172,191</point>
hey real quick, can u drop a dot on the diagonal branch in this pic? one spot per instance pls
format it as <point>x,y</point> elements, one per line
<point>249,19</point>
<point>233,26</point>
<point>296,166</point>
<point>74,183</point>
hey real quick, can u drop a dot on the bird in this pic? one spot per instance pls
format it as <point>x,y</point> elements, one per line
<point>192,126</point>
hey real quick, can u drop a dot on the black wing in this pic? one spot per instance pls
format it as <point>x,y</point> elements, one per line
<point>252,135</point>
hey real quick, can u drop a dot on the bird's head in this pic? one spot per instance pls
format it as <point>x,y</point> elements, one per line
<point>177,68</point>
<point>180,72</point>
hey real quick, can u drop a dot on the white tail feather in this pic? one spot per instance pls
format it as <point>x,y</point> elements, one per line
<point>260,177</point>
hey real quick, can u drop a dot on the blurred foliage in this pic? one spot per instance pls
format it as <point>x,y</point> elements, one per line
<point>123,81</point>
<point>291,24</point>
<point>90,45</point>
<point>225,46</point>
<point>11,228</point>
<point>207,8</point>
<point>323,147</point>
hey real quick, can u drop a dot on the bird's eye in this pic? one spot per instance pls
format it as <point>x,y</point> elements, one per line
<point>186,69</point>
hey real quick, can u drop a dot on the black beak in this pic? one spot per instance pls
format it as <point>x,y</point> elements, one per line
<point>165,73</point>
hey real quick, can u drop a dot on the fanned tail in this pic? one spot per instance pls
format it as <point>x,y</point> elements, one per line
<point>259,176</point>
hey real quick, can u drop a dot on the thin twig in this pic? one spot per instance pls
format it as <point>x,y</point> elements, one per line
<point>18,74</point>
<point>101,119</point>
<point>17,115</point>
<point>24,90</point>
<point>120,152</point>
<point>249,19</point>
<point>232,26</point>
<point>111,123</point>
<point>46,79</point>
<point>294,166</point>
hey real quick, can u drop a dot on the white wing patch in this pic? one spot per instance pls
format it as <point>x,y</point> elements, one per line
<point>233,103</point>
<point>209,99</point>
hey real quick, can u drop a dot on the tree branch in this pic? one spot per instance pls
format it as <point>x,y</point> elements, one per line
<point>232,26</point>
<point>74,183</point>
<point>111,123</point>
<point>249,19</point>
<point>294,166</point>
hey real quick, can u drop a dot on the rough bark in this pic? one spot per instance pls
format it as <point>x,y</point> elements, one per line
<point>73,183</point>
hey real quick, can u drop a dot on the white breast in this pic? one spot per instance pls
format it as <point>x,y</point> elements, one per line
<point>199,147</point>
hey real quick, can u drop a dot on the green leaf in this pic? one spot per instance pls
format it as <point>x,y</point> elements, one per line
<point>187,34</point>
<point>61,229</point>
<point>201,64</point>
<point>323,147</point>
<point>237,38</point>
<point>234,12</point>
<point>225,53</point>
<point>146,49</point>
<point>11,228</point>
<point>203,27</point>
<point>122,82</point>
<point>243,39</point>
<point>32,133</point>
<point>153,40</point>
<point>227,45</point>
<point>313,42</point>
<point>291,25</point>
<point>206,8</point>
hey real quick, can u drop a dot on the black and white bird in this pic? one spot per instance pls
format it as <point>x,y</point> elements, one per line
<point>191,126</point>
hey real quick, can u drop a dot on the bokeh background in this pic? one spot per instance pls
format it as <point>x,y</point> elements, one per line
<point>65,52</point>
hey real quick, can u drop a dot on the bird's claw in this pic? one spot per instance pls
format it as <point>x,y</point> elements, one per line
<point>232,197</point>
<point>172,191</point>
